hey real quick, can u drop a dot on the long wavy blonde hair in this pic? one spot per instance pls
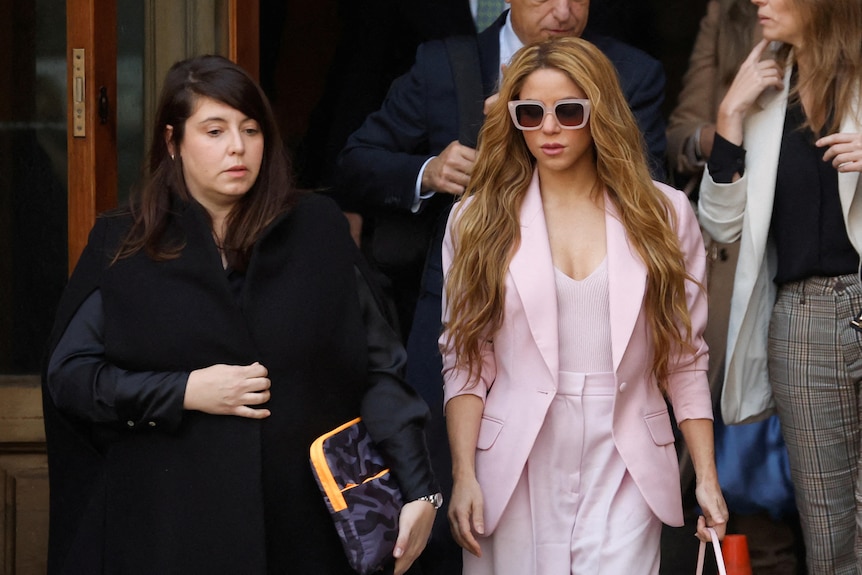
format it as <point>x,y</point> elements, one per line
<point>486,231</point>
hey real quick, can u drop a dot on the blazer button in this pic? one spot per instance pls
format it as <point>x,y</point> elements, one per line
<point>130,423</point>
<point>623,386</point>
<point>152,423</point>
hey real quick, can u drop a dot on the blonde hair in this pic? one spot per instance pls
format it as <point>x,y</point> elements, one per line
<point>486,232</point>
<point>832,49</point>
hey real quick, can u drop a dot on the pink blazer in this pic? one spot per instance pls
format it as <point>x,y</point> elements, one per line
<point>522,363</point>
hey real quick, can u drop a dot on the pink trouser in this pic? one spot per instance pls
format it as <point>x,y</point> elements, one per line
<point>576,509</point>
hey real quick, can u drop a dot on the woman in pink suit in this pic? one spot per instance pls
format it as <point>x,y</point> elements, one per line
<point>574,308</point>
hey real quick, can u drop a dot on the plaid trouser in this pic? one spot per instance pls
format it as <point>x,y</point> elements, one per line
<point>815,365</point>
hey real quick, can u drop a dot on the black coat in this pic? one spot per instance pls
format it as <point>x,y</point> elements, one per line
<point>222,494</point>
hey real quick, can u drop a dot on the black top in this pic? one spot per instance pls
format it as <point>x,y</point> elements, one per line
<point>807,225</point>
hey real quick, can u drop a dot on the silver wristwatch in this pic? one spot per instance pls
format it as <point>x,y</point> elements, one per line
<point>435,499</point>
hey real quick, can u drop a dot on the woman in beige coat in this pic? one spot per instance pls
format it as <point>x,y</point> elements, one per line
<point>727,33</point>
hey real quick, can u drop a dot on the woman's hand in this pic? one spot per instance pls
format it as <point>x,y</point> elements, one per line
<point>715,513</point>
<point>229,390</point>
<point>753,78</point>
<point>414,528</point>
<point>698,435</point>
<point>466,514</point>
<point>843,150</point>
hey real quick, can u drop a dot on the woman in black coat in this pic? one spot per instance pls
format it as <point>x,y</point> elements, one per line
<point>210,332</point>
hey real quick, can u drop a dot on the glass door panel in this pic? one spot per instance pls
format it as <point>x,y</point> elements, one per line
<point>151,36</point>
<point>130,94</point>
<point>33,167</point>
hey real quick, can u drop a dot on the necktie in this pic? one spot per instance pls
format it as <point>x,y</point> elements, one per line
<point>487,11</point>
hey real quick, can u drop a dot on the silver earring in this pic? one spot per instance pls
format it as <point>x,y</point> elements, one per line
<point>172,156</point>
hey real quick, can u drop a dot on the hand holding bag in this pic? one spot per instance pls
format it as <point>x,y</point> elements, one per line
<point>701,554</point>
<point>360,493</point>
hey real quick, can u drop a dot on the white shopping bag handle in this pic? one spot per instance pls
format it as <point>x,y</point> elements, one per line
<point>701,553</point>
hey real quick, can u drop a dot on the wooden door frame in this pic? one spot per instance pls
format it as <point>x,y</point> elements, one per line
<point>244,26</point>
<point>92,188</point>
<point>91,25</point>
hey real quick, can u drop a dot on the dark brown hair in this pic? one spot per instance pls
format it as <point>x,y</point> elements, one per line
<point>163,184</point>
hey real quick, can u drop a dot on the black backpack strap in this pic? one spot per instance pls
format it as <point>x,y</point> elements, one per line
<point>463,54</point>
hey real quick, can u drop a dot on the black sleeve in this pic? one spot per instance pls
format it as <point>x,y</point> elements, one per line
<point>392,411</point>
<point>81,382</point>
<point>726,160</point>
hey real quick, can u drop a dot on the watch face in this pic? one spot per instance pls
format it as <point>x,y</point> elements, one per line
<point>437,500</point>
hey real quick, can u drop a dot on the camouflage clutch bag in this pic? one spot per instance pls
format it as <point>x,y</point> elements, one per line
<point>362,496</point>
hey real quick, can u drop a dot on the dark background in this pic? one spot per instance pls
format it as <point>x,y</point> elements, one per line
<point>327,64</point>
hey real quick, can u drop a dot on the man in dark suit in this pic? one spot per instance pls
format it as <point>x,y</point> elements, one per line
<point>406,165</point>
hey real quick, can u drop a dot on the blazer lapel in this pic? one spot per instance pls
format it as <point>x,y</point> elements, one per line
<point>848,184</point>
<point>763,134</point>
<point>489,54</point>
<point>626,283</point>
<point>532,272</point>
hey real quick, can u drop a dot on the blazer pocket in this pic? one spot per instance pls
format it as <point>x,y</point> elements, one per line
<point>659,427</point>
<point>489,429</point>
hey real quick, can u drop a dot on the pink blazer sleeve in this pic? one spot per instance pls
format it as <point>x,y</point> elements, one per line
<point>688,388</point>
<point>456,380</point>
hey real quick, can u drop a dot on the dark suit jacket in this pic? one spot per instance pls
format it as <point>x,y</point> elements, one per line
<point>419,118</point>
<point>377,43</point>
<point>152,492</point>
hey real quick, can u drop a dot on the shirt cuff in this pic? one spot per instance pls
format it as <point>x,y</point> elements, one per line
<point>418,196</point>
<point>727,159</point>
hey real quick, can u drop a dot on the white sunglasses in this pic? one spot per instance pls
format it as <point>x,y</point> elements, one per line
<point>570,113</point>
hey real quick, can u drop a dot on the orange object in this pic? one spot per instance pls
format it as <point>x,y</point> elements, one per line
<point>736,558</point>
